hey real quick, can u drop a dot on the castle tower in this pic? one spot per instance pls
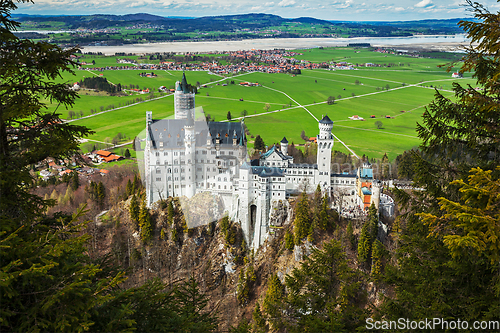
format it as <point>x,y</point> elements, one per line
<point>147,158</point>
<point>324,156</point>
<point>284,146</point>
<point>376,189</point>
<point>183,99</point>
<point>190,146</point>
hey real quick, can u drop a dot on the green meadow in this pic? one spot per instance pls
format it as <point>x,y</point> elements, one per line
<point>286,105</point>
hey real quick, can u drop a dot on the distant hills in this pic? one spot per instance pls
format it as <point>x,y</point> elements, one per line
<point>143,28</point>
<point>225,22</point>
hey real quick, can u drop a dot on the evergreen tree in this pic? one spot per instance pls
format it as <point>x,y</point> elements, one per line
<point>170,212</point>
<point>350,235</point>
<point>75,183</point>
<point>272,301</point>
<point>377,254</point>
<point>145,224</point>
<point>128,188</point>
<point>134,209</point>
<point>259,143</point>
<point>127,153</point>
<point>259,321</point>
<point>229,115</point>
<point>364,244</point>
<point>100,194</point>
<point>444,248</point>
<point>324,294</point>
<point>301,222</point>
<point>289,245</point>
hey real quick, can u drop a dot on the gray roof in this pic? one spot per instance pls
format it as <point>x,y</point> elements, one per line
<point>326,120</point>
<point>171,132</point>
<point>284,140</point>
<point>263,171</point>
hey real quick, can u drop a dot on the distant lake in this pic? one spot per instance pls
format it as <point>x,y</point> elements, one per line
<point>437,42</point>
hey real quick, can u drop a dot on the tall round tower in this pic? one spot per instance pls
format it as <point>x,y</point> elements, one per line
<point>183,99</point>
<point>284,146</point>
<point>324,156</point>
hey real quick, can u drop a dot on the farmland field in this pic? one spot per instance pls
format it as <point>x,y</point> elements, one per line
<point>286,105</point>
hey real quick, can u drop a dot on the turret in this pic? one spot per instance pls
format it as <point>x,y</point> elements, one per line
<point>284,146</point>
<point>376,189</point>
<point>324,155</point>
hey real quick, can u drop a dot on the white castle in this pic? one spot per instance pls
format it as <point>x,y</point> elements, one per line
<point>184,157</point>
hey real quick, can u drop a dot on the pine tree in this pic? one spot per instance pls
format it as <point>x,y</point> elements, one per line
<point>350,235</point>
<point>302,221</point>
<point>75,183</point>
<point>377,254</point>
<point>364,244</point>
<point>170,212</point>
<point>128,188</point>
<point>145,224</point>
<point>100,194</point>
<point>259,143</point>
<point>229,115</point>
<point>289,245</point>
<point>258,318</point>
<point>134,209</point>
<point>272,300</point>
<point>443,266</point>
<point>324,294</point>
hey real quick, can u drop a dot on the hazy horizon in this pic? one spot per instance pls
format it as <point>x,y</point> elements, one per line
<point>345,10</point>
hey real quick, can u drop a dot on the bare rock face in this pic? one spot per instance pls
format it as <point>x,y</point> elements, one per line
<point>279,213</point>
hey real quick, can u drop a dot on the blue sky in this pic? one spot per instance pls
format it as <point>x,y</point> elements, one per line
<point>342,10</point>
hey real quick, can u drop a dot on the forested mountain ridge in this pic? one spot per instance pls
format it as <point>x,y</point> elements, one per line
<point>232,23</point>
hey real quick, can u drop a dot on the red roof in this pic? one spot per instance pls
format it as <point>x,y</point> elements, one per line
<point>103,153</point>
<point>111,158</point>
<point>104,171</point>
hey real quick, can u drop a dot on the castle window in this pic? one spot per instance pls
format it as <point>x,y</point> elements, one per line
<point>183,178</point>
<point>219,187</point>
<point>161,144</point>
<point>208,168</point>
<point>158,170</point>
<point>158,179</point>
<point>169,186</point>
<point>225,179</point>
<point>157,154</point>
<point>225,187</point>
<point>213,152</point>
<point>165,154</point>
<point>169,170</point>
<point>158,162</point>
<point>189,161</point>
<point>204,152</point>
<point>175,153</point>
<point>183,153</point>
<point>169,178</point>
<point>230,153</point>
<point>222,153</point>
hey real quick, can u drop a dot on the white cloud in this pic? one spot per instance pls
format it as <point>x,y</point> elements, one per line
<point>424,4</point>
<point>399,9</point>
<point>286,3</point>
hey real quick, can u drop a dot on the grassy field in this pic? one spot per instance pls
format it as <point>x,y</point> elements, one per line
<point>286,105</point>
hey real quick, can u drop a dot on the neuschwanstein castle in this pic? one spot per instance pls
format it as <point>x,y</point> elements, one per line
<point>184,157</point>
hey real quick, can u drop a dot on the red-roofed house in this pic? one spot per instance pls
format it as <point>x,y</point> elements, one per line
<point>103,153</point>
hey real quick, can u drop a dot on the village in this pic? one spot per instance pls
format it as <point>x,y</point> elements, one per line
<point>52,168</point>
